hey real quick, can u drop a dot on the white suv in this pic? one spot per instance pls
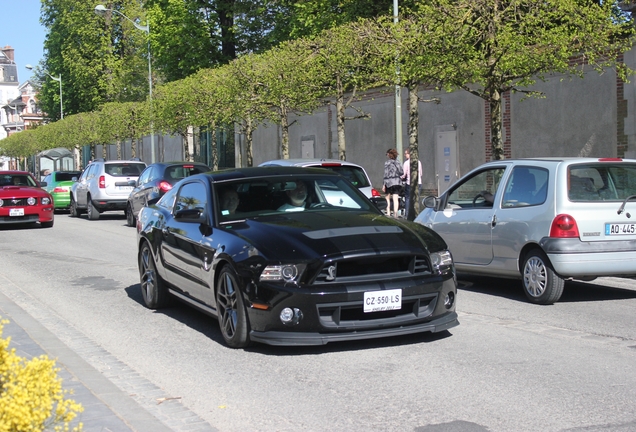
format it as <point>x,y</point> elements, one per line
<point>104,186</point>
<point>541,220</point>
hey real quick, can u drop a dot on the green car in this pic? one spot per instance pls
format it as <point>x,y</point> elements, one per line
<point>58,184</point>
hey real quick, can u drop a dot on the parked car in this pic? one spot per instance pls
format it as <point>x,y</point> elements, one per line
<point>542,220</point>
<point>23,201</point>
<point>356,174</point>
<point>228,243</point>
<point>104,186</point>
<point>156,180</point>
<point>58,184</point>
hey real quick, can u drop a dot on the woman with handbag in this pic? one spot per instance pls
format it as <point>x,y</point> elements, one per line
<point>392,185</point>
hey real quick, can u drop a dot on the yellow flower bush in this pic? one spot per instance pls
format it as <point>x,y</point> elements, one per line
<point>31,394</point>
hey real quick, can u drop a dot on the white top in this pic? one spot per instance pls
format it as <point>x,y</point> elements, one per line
<point>407,171</point>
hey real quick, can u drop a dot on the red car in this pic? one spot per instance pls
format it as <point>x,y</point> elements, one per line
<point>23,201</point>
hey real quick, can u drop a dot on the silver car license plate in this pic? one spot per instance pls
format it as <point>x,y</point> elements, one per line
<point>614,229</point>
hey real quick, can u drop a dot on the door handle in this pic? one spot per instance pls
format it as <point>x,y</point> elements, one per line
<point>493,222</point>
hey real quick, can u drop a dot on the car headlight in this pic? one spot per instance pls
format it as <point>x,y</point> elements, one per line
<point>1,203</point>
<point>31,201</point>
<point>283,272</point>
<point>441,259</point>
<point>46,201</point>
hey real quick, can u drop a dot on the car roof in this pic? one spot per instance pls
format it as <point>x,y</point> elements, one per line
<point>171,163</point>
<point>264,172</point>
<point>307,162</point>
<point>15,172</point>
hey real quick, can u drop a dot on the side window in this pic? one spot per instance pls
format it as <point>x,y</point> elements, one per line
<point>47,179</point>
<point>167,201</point>
<point>145,175</point>
<point>91,171</point>
<point>477,191</point>
<point>192,196</point>
<point>527,186</point>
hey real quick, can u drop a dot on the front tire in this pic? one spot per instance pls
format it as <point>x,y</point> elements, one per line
<point>73,211</point>
<point>92,212</point>
<point>153,288</point>
<point>231,310</point>
<point>130,218</point>
<point>540,282</point>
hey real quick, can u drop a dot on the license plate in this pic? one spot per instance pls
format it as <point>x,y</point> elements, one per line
<point>620,229</point>
<point>124,188</point>
<point>16,212</point>
<point>376,301</point>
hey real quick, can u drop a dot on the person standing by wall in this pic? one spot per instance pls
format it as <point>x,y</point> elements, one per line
<point>407,178</point>
<point>392,185</point>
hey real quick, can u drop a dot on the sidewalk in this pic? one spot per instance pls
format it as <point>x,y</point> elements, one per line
<point>106,407</point>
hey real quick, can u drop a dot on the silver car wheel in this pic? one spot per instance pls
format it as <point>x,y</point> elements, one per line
<point>534,277</point>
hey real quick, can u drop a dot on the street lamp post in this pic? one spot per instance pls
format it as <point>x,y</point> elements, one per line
<point>398,96</point>
<point>101,10</point>
<point>58,79</point>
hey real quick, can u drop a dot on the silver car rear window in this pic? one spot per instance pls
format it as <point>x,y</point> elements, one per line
<point>601,182</point>
<point>124,169</point>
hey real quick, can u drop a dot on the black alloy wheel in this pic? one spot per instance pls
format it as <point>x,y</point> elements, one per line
<point>231,310</point>
<point>153,288</point>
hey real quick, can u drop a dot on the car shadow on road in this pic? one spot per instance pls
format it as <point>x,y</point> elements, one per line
<point>208,326</point>
<point>574,291</point>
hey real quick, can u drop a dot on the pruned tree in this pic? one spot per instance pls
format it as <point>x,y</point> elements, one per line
<point>508,45</point>
<point>345,65</point>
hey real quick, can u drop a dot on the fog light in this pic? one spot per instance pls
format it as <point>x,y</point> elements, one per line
<point>291,316</point>
<point>449,301</point>
<point>286,315</point>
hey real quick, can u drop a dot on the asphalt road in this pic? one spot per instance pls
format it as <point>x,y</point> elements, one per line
<point>509,366</point>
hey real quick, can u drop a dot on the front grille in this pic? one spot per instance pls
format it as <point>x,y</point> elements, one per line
<point>372,268</point>
<point>17,202</point>
<point>351,314</point>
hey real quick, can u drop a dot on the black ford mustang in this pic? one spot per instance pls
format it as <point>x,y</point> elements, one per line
<point>293,256</point>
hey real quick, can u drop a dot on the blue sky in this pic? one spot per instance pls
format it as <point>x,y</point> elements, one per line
<point>21,29</point>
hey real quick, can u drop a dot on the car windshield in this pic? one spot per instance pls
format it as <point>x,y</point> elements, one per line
<point>601,182</point>
<point>16,180</point>
<point>252,198</point>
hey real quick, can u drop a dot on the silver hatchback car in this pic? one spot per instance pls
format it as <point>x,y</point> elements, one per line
<point>543,220</point>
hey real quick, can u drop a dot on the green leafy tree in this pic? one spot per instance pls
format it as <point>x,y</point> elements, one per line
<point>344,62</point>
<point>507,45</point>
<point>291,84</point>
<point>100,59</point>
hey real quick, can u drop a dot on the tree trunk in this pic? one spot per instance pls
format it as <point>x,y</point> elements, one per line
<point>340,119</point>
<point>189,144</point>
<point>496,121</point>
<point>413,145</point>
<point>284,125</point>
<point>249,131</point>
<point>118,146</point>
<point>214,147</point>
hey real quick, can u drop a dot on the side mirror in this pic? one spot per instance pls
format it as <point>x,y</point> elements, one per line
<point>132,183</point>
<point>43,184</point>
<point>190,215</point>
<point>431,202</point>
<point>74,179</point>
